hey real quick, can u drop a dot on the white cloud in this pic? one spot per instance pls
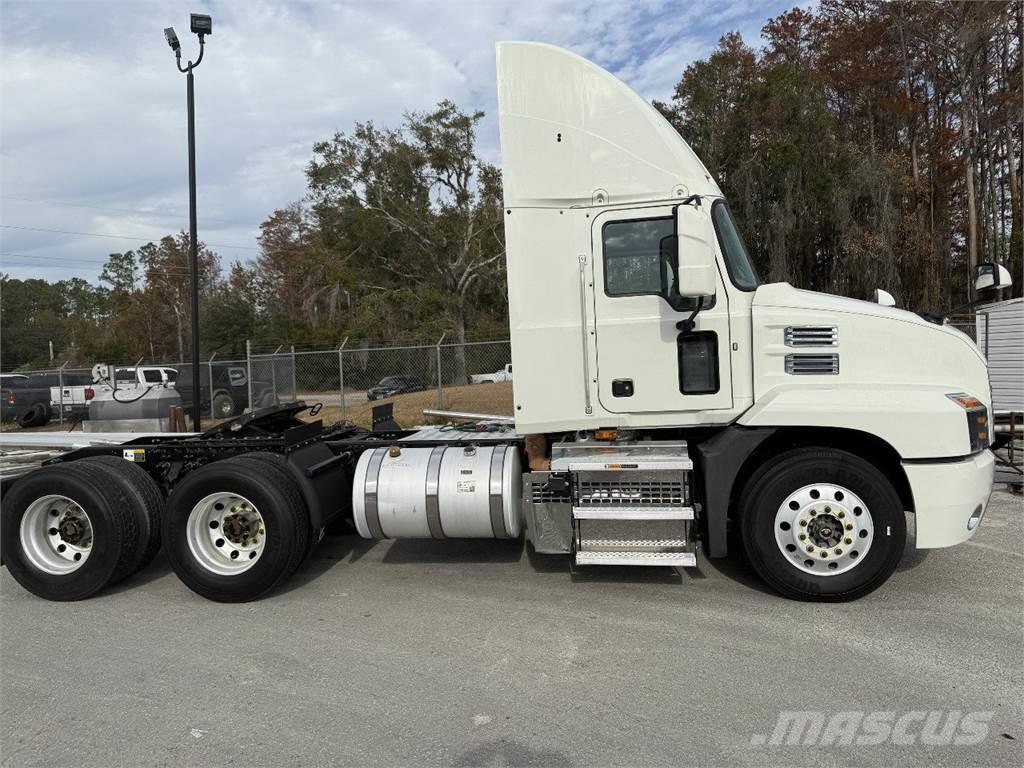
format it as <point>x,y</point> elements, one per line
<point>92,121</point>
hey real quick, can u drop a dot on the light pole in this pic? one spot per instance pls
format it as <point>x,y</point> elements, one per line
<point>202,26</point>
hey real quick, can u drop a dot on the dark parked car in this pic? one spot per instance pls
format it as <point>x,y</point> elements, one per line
<point>394,385</point>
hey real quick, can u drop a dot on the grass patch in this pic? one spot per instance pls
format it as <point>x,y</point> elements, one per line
<point>474,398</point>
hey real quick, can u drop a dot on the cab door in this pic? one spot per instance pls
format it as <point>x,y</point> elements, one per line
<point>645,361</point>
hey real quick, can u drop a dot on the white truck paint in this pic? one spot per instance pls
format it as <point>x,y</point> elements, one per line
<point>505,374</point>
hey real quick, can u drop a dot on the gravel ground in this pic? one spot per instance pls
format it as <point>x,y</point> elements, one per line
<point>478,653</point>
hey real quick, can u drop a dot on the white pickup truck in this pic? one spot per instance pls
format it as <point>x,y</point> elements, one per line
<point>74,398</point>
<point>505,374</point>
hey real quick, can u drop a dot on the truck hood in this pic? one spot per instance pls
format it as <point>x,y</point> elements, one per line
<point>785,296</point>
<point>873,349</point>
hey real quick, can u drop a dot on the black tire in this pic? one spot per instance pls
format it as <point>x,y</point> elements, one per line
<point>115,539</point>
<point>272,491</point>
<point>36,415</point>
<point>768,489</point>
<point>315,537</point>
<point>148,504</point>
<point>223,406</point>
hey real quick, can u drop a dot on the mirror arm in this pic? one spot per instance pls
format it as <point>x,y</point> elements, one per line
<point>693,200</point>
<point>687,325</point>
<point>940,317</point>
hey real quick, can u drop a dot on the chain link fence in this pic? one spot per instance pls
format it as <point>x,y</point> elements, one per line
<point>968,324</point>
<point>340,378</point>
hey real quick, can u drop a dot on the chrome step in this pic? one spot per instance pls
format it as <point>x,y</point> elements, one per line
<point>682,559</point>
<point>621,463</point>
<point>633,545</point>
<point>613,512</point>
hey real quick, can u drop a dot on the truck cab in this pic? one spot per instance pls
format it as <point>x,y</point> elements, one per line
<point>630,286</point>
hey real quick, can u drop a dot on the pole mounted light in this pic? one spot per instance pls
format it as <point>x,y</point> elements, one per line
<point>201,25</point>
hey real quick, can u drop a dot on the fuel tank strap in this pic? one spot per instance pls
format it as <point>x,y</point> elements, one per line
<point>433,477</point>
<point>372,477</point>
<point>497,504</point>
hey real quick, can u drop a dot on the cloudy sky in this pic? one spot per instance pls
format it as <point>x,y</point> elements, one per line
<point>92,110</point>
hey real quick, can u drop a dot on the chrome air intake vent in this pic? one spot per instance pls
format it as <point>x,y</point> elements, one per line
<point>811,336</point>
<point>630,488</point>
<point>810,364</point>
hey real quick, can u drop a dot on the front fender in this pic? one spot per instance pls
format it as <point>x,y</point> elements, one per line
<point>919,422</point>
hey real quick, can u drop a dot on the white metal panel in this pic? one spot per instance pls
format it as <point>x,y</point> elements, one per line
<point>1000,334</point>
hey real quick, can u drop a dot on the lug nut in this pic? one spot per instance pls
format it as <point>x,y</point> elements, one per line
<point>813,513</point>
<point>849,527</point>
<point>828,509</point>
<point>811,550</point>
<point>842,514</point>
<point>848,540</point>
<point>803,537</point>
<point>803,523</point>
<point>824,553</point>
<point>839,551</point>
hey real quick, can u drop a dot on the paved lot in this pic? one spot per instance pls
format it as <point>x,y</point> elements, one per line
<point>476,653</point>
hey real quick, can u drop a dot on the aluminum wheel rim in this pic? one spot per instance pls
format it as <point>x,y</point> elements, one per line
<point>56,535</point>
<point>824,529</point>
<point>226,534</point>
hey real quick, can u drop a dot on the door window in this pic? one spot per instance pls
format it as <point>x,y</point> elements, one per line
<point>639,260</point>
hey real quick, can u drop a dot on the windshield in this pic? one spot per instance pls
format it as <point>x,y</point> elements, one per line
<point>737,260</point>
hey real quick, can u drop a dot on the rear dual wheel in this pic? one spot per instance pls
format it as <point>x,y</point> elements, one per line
<point>69,530</point>
<point>237,528</point>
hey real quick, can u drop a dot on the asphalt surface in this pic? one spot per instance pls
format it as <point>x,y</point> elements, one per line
<point>477,653</point>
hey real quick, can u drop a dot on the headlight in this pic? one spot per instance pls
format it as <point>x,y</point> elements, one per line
<point>977,419</point>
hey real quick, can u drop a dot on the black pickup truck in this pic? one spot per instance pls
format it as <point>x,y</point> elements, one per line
<point>27,399</point>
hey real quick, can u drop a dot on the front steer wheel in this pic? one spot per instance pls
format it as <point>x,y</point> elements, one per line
<point>235,529</point>
<point>822,525</point>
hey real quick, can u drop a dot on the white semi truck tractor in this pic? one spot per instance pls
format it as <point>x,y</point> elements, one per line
<point>666,403</point>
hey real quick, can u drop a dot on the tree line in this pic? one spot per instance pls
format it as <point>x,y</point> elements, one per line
<point>865,144</point>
